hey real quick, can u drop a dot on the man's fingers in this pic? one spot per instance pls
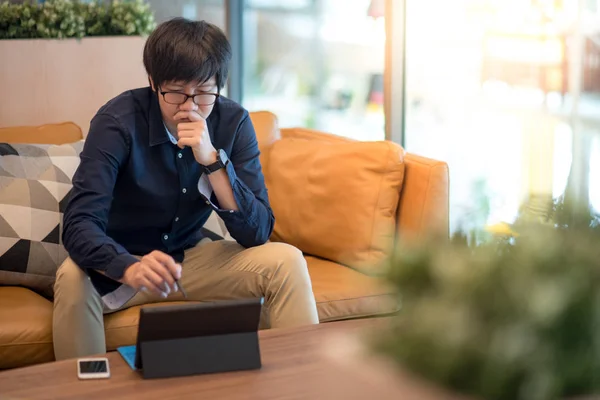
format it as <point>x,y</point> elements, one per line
<point>188,128</point>
<point>188,134</point>
<point>194,116</point>
<point>182,116</point>
<point>168,262</point>
<point>185,130</point>
<point>189,115</point>
<point>157,280</point>
<point>162,258</point>
<point>164,273</point>
<point>149,285</point>
<point>190,142</point>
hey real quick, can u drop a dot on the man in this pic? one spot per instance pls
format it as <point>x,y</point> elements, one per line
<point>156,162</point>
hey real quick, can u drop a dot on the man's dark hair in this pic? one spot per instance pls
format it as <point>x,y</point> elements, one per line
<point>184,50</point>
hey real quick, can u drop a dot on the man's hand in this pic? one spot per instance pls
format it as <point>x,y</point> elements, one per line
<point>156,272</point>
<point>192,131</point>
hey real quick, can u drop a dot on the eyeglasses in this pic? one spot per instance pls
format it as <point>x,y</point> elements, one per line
<point>201,99</point>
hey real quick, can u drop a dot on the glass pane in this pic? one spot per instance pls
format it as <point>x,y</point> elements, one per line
<point>212,11</point>
<point>317,64</point>
<point>496,88</point>
<point>288,4</point>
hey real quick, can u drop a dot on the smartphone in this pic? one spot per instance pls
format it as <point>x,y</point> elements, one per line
<point>93,368</point>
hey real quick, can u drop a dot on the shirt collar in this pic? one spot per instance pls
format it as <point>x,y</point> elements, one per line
<point>171,137</point>
<point>156,125</point>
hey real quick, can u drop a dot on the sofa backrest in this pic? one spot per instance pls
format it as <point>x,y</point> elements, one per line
<point>267,132</point>
<point>59,133</point>
<point>424,196</point>
<point>422,202</point>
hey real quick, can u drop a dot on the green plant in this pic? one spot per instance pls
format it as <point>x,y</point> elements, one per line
<point>18,20</point>
<point>121,18</point>
<point>73,19</point>
<point>508,319</point>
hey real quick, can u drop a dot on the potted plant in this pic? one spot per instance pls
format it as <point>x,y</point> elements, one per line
<point>514,318</point>
<point>77,56</point>
<point>60,19</point>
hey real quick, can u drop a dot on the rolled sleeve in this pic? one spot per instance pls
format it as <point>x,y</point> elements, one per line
<point>253,223</point>
<point>244,197</point>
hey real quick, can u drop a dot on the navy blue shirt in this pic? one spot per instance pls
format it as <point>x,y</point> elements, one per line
<point>135,191</point>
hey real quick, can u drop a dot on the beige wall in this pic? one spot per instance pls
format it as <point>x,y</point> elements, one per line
<point>45,81</point>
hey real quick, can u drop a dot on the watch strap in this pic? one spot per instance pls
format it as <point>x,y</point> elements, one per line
<point>217,165</point>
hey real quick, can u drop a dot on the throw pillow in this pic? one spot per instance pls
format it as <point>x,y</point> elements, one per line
<point>35,182</point>
<point>215,225</point>
<point>336,199</point>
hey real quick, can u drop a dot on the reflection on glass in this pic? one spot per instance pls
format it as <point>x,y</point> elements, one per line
<point>317,64</point>
<point>501,90</point>
<point>212,11</point>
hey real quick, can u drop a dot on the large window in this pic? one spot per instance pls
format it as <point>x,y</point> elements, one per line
<point>209,10</point>
<point>317,64</point>
<point>508,93</point>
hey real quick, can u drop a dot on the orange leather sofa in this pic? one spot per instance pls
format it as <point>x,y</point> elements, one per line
<point>412,195</point>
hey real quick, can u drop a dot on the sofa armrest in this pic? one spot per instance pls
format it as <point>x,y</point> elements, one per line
<point>424,199</point>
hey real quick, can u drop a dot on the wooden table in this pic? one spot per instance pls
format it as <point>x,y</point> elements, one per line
<point>306,363</point>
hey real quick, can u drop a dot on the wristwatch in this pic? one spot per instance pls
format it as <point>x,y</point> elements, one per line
<point>222,161</point>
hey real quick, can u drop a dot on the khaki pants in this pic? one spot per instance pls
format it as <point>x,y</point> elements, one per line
<point>211,271</point>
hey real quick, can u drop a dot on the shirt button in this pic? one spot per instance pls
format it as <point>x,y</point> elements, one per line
<point>176,219</point>
<point>166,237</point>
<point>207,202</point>
<point>179,155</point>
<point>184,190</point>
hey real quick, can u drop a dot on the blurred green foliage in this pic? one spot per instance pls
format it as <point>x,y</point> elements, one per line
<point>60,19</point>
<point>514,318</point>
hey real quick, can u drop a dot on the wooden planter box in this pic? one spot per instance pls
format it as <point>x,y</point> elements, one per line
<point>50,80</point>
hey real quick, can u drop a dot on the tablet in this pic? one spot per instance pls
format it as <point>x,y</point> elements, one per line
<point>191,320</point>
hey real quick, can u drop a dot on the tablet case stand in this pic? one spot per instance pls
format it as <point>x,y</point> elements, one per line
<point>200,355</point>
<point>191,339</point>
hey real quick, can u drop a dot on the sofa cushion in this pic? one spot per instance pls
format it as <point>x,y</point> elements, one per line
<point>25,328</point>
<point>343,293</point>
<point>121,327</point>
<point>336,199</point>
<point>59,133</point>
<point>35,181</point>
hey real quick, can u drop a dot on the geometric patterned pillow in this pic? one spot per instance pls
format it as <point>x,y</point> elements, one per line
<point>35,183</point>
<point>216,226</point>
